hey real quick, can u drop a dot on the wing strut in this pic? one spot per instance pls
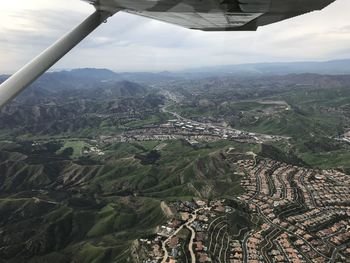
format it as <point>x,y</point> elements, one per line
<point>30,72</point>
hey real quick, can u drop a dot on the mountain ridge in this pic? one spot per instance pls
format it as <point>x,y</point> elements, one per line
<point>330,67</point>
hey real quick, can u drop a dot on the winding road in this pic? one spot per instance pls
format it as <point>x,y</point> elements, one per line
<point>193,235</point>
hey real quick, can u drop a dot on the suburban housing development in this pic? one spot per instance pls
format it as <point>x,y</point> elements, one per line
<point>287,214</point>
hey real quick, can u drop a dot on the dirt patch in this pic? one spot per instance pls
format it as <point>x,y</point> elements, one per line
<point>166,209</point>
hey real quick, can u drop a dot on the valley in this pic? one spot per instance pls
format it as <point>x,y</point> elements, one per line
<point>94,164</point>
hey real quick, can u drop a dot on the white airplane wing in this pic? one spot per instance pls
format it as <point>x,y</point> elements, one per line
<point>219,15</point>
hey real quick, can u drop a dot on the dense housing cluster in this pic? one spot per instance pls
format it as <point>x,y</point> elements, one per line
<point>301,208</point>
<point>191,130</point>
<point>287,214</point>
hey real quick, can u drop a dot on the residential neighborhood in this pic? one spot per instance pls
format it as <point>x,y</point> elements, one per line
<point>189,130</point>
<point>287,214</point>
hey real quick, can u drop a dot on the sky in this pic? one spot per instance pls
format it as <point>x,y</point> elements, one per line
<point>132,43</point>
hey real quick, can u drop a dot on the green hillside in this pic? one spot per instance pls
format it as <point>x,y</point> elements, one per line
<point>62,209</point>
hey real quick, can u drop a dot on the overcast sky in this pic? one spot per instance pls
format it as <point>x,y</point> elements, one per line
<point>132,43</point>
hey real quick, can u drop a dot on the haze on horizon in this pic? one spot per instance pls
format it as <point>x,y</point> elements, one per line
<point>132,43</point>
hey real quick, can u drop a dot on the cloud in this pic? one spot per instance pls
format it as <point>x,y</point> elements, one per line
<point>132,43</point>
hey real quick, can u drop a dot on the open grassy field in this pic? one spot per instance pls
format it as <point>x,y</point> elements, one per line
<point>77,146</point>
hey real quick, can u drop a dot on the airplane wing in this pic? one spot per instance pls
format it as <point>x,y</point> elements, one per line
<point>224,15</point>
<point>207,21</point>
<point>207,15</point>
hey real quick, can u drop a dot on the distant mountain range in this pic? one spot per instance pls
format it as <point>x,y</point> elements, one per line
<point>86,78</point>
<point>333,67</point>
<point>105,83</point>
